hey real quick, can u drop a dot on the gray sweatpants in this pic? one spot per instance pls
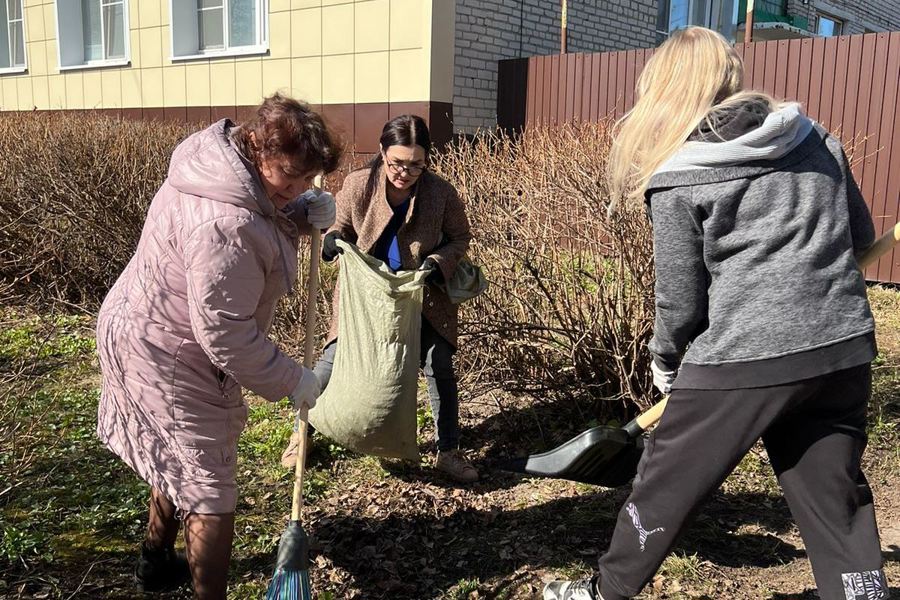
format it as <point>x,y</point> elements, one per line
<point>814,432</point>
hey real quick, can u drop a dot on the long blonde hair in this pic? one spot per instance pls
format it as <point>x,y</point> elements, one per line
<point>689,73</point>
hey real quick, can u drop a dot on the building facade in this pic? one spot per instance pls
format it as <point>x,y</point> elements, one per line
<point>492,30</point>
<point>359,61</point>
<point>783,19</point>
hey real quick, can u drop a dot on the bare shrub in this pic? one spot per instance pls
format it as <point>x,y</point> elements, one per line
<point>570,306</point>
<point>74,190</point>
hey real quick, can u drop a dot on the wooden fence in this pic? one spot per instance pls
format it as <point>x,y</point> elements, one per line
<point>850,84</point>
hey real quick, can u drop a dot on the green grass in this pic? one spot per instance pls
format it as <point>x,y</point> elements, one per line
<point>463,589</point>
<point>48,420</point>
<point>62,336</point>
<point>66,500</point>
<point>884,409</point>
<point>685,569</point>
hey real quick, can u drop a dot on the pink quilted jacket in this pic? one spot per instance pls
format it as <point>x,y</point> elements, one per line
<point>184,327</point>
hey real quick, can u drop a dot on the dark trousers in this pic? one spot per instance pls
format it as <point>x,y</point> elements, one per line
<point>814,432</point>
<point>436,360</point>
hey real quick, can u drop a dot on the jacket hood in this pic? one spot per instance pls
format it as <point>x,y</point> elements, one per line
<point>783,137</point>
<point>208,165</point>
<point>779,133</point>
<point>726,122</point>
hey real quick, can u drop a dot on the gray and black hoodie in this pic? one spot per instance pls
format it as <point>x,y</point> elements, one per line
<point>756,225</point>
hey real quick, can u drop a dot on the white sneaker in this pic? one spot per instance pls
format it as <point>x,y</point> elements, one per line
<point>583,589</point>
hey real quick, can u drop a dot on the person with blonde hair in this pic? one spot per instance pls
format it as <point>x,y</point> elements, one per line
<point>763,329</point>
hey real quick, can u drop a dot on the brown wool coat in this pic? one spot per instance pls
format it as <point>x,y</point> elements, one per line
<point>435,213</point>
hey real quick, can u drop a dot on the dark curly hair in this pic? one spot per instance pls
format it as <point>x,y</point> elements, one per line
<point>285,127</point>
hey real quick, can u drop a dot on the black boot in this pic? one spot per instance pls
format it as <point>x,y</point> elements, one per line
<point>161,570</point>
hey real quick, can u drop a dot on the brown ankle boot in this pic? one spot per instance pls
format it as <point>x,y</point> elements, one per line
<point>456,465</point>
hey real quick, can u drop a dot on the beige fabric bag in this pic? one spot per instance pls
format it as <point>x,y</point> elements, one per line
<point>369,405</point>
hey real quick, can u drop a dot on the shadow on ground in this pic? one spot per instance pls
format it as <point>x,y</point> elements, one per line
<point>418,557</point>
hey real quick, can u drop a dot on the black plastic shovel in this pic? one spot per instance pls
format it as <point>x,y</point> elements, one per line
<point>606,456</point>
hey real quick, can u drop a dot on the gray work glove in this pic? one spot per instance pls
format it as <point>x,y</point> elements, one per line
<point>320,208</point>
<point>662,378</point>
<point>307,391</point>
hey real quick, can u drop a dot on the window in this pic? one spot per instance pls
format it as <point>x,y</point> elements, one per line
<point>204,28</point>
<point>829,26</point>
<point>720,15</point>
<point>12,36</point>
<point>92,32</point>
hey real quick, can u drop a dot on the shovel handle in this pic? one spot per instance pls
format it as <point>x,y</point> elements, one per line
<point>882,245</point>
<point>309,349</point>
<point>646,419</point>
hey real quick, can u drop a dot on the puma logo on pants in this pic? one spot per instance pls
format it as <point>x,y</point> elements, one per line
<point>868,585</point>
<point>643,534</point>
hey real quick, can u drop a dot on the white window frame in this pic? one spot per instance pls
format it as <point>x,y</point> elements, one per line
<point>23,67</point>
<point>184,32</point>
<point>70,42</point>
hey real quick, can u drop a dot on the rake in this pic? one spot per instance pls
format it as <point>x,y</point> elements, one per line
<point>291,579</point>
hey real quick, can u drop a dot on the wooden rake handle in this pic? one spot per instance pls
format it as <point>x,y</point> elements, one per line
<point>882,246</point>
<point>309,349</point>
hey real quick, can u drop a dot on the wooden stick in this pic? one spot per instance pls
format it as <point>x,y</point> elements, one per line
<point>309,349</point>
<point>881,246</point>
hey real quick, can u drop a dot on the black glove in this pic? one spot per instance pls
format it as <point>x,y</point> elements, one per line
<point>330,249</point>
<point>435,276</point>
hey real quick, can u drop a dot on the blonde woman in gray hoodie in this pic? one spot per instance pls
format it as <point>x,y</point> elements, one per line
<point>763,328</point>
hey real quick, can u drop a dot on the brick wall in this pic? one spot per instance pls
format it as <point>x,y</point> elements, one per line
<point>858,17</point>
<point>491,30</point>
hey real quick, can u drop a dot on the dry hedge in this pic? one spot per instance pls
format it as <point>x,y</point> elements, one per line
<point>570,305</point>
<point>74,190</point>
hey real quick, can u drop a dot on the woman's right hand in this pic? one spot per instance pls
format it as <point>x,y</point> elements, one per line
<point>330,249</point>
<point>320,209</point>
<point>307,391</point>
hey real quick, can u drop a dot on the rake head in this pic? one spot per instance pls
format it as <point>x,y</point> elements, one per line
<point>291,579</point>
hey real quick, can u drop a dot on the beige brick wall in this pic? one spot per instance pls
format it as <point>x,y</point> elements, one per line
<point>323,51</point>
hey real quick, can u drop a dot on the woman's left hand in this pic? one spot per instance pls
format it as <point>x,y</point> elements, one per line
<point>320,208</point>
<point>663,378</point>
<point>434,276</point>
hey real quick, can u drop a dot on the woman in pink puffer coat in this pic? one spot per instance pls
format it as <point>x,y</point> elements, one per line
<point>184,327</point>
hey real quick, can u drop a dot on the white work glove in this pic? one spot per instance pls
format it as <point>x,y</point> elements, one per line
<point>307,391</point>
<point>319,208</point>
<point>662,378</point>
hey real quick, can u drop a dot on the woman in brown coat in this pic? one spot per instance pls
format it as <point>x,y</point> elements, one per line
<point>399,212</point>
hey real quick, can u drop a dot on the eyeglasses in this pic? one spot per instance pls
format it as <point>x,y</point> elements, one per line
<point>413,170</point>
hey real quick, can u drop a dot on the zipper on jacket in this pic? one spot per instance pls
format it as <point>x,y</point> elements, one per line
<point>222,378</point>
